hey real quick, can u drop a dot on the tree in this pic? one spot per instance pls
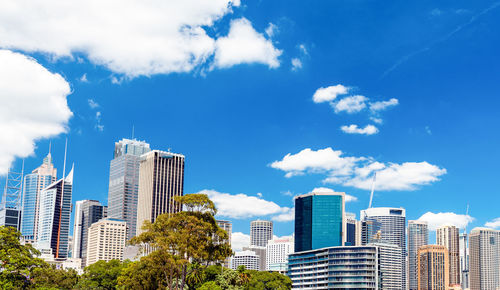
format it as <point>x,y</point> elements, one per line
<point>102,275</point>
<point>49,277</point>
<point>17,261</point>
<point>268,281</point>
<point>195,276</point>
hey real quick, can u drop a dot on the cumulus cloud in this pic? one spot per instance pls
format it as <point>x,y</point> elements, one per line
<point>435,220</point>
<point>353,129</point>
<point>296,64</point>
<point>245,45</point>
<point>348,197</point>
<point>358,171</point>
<point>92,104</point>
<point>494,224</point>
<point>239,240</point>
<point>351,104</point>
<point>271,29</point>
<point>288,215</point>
<point>134,38</point>
<point>33,106</point>
<point>383,105</point>
<point>329,94</point>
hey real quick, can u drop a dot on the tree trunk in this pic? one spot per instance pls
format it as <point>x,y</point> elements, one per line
<point>184,273</point>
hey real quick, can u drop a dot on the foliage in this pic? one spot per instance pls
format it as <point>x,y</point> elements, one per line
<point>268,280</point>
<point>101,275</point>
<point>210,285</point>
<point>48,277</point>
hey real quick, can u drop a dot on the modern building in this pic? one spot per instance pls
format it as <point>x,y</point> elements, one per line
<point>418,236</point>
<point>392,222</point>
<point>54,218</point>
<point>261,252</point>
<point>106,240</point>
<point>464,260</point>
<point>87,212</point>
<point>319,220</point>
<point>34,183</point>
<point>124,182</point>
<point>353,230</point>
<point>433,268</point>
<point>228,227</point>
<point>277,252</point>
<point>448,236</point>
<point>161,178</point>
<point>370,232</point>
<point>10,217</point>
<point>484,252</point>
<point>390,260</point>
<point>249,259</point>
<point>260,233</point>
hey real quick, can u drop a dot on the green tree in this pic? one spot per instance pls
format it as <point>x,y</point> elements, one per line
<point>48,277</point>
<point>101,275</point>
<point>268,281</point>
<point>195,276</point>
<point>17,261</point>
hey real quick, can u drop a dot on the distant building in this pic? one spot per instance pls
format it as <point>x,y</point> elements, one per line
<point>433,268</point>
<point>418,236</point>
<point>249,259</point>
<point>353,230</point>
<point>319,220</point>
<point>106,240</point>
<point>9,217</point>
<point>124,182</point>
<point>54,218</point>
<point>260,233</point>
<point>228,227</point>
<point>277,252</point>
<point>390,260</point>
<point>464,260</point>
<point>161,178</point>
<point>87,212</point>
<point>484,247</point>
<point>448,236</point>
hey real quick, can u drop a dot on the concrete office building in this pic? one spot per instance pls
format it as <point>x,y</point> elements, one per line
<point>161,178</point>
<point>433,268</point>
<point>319,220</point>
<point>261,252</point>
<point>353,230</point>
<point>106,240</point>
<point>124,182</point>
<point>418,236</point>
<point>484,252</point>
<point>448,236</point>
<point>87,212</point>
<point>260,233</point>
<point>228,227</point>
<point>277,252</point>
<point>249,259</point>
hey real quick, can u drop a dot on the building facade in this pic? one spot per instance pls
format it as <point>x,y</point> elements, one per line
<point>390,260</point>
<point>261,253</point>
<point>277,252</point>
<point>124,182</point>
<point>353,230</point>
<point>161,178</point>
<point>433,268</point>
<point>249,259</point>
<point>448,236</point>
<point>228,227</point>
<point>464,260</point>
<point>87,212</point>
<point>484,253</point>
<point>418,236</point>
<point>260,232</point>
<point>106,240</point>
<point>319,221</point>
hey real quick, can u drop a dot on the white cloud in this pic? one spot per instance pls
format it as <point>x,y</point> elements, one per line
<point>350,105</point>
<point>348,197</point>
<point>239,240</point>
<point>92,104</point>
<point>98,125</point>
<point>245,45</point>
<point>84,79</point>
<point>133,37</point>
<point>271,30</point>
<point>288,215</point>
<point>240,206</point>
<point>353,129</point>
<point>33,105</point>
<point>358,171</point>
<point>383,105</point>
<point>303,49</point>
<point>376,120</point>
<point>329,94</point>
<point>296,64</point>
<point>494,224</point>
<point>436,220</point>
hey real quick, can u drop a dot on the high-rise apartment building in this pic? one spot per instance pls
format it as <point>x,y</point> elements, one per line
<point>161,178</point>
<point>87,212</point>
<point>228,227</point>
<point>124,182</point>
<point>277,252</point>
<point>418,236</point>
<point>484,252</point>
<point>54,218</point>
<point>448,236</point>
<point>433,268</point>
<point>260,232</point>
<point>106,240</point>
<point>319,220</point>
<point>392,223</point>
<point>249,259</point>
<point>34,183</point>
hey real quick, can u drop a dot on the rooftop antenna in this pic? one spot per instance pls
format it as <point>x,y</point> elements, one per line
<point>467,214</point>
<point>373,189</point>
<point>50,145</point>
<point>133,129</point>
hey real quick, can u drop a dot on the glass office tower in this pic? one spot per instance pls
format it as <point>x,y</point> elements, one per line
<point>319,221</point>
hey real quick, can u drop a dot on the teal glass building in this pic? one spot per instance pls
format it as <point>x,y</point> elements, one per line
<point>319,221</point>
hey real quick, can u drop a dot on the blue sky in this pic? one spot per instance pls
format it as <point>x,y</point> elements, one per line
<point>242,99</point>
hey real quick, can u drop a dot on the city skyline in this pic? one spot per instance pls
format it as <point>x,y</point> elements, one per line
<point>327,99</point>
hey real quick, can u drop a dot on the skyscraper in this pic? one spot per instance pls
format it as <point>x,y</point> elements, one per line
<point>260,232</point>
<point>277,252</point>
<point>87,212</point>
<point>448,236</point>
<point>228,227</point>
<point>464,260</point>
<point>418,236</point>
<point>392,223</point>
<point>319,220</point>
<point>161,179</point>
<point>106,240</point>
<point>54,217</point>
<point>34,183</point>
<point>433,266</point>
<point>484,252</point>
<point>124,182</point>
<point>353,230</point>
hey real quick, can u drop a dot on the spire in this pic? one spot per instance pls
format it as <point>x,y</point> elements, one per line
<point>48,159</point>
<point>69,177</point>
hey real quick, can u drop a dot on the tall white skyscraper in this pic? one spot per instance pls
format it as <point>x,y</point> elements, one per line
<point>448,236</point>
<point>418,235</point>
<point>260,233</point>
<point>464,260</point>
<point>277,252</point>
<point>124,182</point>
<point>484,252</point>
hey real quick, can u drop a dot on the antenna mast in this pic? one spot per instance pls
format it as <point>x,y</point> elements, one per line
<point>373,189</point>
